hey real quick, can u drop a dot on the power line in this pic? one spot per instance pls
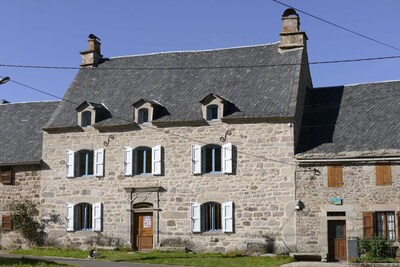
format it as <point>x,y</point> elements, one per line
<point>145,126</point>
<point>200,68</point>
<point>338,26</point>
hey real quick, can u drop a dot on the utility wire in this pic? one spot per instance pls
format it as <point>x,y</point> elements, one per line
<point>145,126</point>
<point>338,26</point>
<point>200,68</point>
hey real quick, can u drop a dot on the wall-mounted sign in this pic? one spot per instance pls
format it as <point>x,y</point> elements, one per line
<point>336,201</point>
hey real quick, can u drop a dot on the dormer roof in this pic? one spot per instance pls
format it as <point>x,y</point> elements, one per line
<point>211,97</point>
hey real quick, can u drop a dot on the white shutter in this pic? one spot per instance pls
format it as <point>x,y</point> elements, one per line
<point>97,217</point>
<point>70,162</point>
<point>70,217</point>
<point>227,217</point>
<point>128,161</point>
<point>98,162</point>
<point>227,158</point>
<point>156,160</point>
<point>195,217</point>
<point>196,159</point>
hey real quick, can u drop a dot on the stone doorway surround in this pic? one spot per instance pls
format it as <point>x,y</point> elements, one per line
<point>144,199</point>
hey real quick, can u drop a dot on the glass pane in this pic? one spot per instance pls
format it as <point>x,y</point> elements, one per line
<point>380,217</point>
<point>217,216</point>
<point>209,152</point>
<point>140,161</point>
<point>148,161</point>
<point>217,159</point>
<point>86,118</point>
<point>340,231</point>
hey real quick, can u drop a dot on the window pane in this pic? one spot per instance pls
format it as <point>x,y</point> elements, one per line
<point>212,112</point>
<point>209,159</point>
<point>380,217</point>
<point>86,118</point>
<point>148,161</point>
<point>143,115</point>
<point>140,161</point>
<point>83,216</point>
<point>217,216</point>
<point>217,159</point>
<point>391,233</point>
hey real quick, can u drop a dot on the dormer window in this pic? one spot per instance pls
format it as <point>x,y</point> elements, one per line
<point>215,107</point>
<point>212,112</point>
<point>89,113</point>
<point>145,111</point>
<point>143,115</point>
<point>86,118</point>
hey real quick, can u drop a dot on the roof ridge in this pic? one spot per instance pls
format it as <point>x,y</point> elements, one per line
<point>29,102</point>
<point>192,51</point>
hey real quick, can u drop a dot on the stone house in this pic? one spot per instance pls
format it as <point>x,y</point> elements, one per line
<point>217,150</point>
<point>189,149</point>
<point>21,161</point>
<point>347,178</point>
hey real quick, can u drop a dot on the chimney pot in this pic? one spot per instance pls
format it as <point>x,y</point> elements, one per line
<point>291,36</point>
<point>92,57</point>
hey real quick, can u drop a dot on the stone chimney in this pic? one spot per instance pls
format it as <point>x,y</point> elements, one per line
<point>92,57</point>
<point>291,36</point>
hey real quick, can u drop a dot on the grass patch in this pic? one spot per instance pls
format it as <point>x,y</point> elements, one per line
<point>168,258</point>
<point>24,262</point>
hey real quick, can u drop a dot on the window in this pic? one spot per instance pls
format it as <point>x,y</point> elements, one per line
<point>6,223</point>
<point>6,175</point>
<point>212,216</point>
<point>86,119</point>
<point>143,115</point>
<point>85,162</point>
<point>212,159</point>
<point>380,223</point>
<point>335,176</point>
<point>84,217</point>
<point>143,160</point>
<point>383,174</point>
<point>212,112</point>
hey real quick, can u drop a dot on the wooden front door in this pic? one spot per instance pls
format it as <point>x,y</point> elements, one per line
<point>337,248</point>
<point>143,230</point>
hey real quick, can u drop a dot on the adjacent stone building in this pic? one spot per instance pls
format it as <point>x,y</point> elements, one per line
<point>20,158</point>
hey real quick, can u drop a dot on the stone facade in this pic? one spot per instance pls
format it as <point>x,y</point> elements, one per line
<point>262,186</point>
<point>25,186</point>
<point>359,194</point>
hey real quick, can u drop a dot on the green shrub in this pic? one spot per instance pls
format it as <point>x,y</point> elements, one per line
<point>24,214</point>
<point>376,250</point>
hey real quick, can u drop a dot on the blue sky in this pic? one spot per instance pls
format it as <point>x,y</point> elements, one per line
<point>52,33</point>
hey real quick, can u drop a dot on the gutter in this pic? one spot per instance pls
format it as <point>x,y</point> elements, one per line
<point>347,160</point>
<point>21,163</point>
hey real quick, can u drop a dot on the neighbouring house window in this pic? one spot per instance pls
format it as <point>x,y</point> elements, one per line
<point>148,160</point>
<point>335,176</point>
<point>212,159</point>
<point>212,216</point>
<point>84,217</point>
<point>85,162</point>
<point>86,118</point>
<point>380,224</point>
<point>6,175</point>
<point>143,160</point>
<point>212,112</point>
<point>6,223</point>
<point>143,115</point>
<point>383,174</point>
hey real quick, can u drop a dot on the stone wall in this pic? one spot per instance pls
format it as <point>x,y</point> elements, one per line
<point>26,186</point>
<point>359,194</point>
<point>262,187</point>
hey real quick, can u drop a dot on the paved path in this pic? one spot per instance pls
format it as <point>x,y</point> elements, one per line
<point>86,263</point>
<point>315,264</point>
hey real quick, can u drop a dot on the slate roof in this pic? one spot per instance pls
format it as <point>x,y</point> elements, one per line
<point>21,131</point>
<point>351,121</point>
<point>183,79</point>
